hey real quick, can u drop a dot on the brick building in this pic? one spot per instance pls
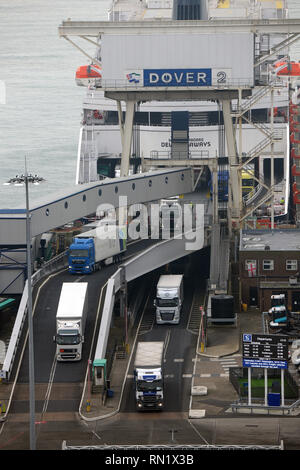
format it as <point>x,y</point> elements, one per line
<point>269,263</point>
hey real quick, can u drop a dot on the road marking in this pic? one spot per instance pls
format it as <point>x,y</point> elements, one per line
<point>50,383</point>
<point>187,376</point>
<point>178,360</point>
<point>167,340</point>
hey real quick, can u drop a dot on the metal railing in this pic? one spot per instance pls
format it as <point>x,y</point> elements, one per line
<point>232,83</point>
<point>168,154</point>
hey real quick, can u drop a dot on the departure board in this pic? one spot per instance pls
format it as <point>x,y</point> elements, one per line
<point>266,351</point>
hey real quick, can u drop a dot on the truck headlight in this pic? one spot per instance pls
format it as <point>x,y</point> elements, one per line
<point>140,405</point>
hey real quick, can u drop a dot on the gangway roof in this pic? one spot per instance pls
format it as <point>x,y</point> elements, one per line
<point>96,28</point>
<point>85,199</point>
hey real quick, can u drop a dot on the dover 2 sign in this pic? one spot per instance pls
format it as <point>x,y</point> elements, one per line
<point>202,77</point>
<point>266,351</point>
<point>177,77</point>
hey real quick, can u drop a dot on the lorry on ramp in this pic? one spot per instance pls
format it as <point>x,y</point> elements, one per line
<point>169,298</point>
<point>70,321</point>
<point>148,375</point>
<point>98,246</point>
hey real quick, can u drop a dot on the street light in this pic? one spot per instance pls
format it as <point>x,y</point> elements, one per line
<point>21,180</point>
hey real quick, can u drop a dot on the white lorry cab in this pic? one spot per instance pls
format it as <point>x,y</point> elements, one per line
<point>169,298</point>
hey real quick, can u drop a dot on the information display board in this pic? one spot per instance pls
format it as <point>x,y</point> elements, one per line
<point>265,351</point>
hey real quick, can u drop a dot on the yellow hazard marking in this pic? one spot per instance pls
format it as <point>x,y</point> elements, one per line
<point>223,4</point>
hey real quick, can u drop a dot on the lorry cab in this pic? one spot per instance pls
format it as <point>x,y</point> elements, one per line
<point>81,256</point>
<point>149,389</point>
<point>169,298</point>
<point>69,341</point>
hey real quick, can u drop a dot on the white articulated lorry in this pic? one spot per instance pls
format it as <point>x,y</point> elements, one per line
<point>148,375</point>
<point>70,321</point>
<point>169,298</point>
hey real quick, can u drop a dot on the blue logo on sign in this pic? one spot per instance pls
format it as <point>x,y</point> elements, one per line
<point>247,338</point>
<point>177,77</point>
<point>133,77</point>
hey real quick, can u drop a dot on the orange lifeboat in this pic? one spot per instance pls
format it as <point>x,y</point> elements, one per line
<point>88,74</point>
<point>284,68</point>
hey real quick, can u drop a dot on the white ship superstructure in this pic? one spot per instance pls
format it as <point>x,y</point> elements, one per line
<point>100,146</point>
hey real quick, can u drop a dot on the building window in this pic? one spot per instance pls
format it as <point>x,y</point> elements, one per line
<point>250,266</point>
<point>291,265</point>
<point>268,264</point>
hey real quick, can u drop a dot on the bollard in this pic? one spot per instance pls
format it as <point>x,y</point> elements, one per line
<point>88,405</point>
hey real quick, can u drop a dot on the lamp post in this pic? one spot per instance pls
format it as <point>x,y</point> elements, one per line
<point>21,181</point>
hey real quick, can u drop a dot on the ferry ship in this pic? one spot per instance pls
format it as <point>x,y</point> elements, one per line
<point>99,149</point>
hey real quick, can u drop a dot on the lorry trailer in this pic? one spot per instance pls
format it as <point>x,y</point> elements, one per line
<point>70,321</point>
<point>148,375</point>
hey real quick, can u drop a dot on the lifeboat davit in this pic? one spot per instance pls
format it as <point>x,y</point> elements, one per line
<point>88,75</point>
<point>284,68</point>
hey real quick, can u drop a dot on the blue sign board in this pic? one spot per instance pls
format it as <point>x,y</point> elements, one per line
<point>266,351</point>
<point>265,364</point>
<point>177,77</point>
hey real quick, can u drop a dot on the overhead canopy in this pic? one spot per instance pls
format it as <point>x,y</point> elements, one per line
<point>4,302</point>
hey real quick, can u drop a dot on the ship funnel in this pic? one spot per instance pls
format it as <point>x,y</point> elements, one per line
<point>190,10</point>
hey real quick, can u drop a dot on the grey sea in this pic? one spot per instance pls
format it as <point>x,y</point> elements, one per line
<point>41,115</point>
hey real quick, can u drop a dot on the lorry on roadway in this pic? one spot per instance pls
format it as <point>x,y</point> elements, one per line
<point>148,375</point>
<point>169,298</point>
<point>101,245</point>
<point>70,321</point>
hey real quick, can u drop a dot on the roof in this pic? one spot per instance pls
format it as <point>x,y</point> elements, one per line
<point>4,302</point>
<point>271,240</point>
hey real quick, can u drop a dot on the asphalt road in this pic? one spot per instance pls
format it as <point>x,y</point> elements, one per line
<point>172,427</point>
<point>180,347</point>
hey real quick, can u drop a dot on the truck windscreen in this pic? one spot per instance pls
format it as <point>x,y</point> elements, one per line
<point>68,337</point>
<point>167,302</point>
<point>144,386</point>
<point>78,253</point>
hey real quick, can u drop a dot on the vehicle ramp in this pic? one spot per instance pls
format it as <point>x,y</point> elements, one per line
<point>158,255</point>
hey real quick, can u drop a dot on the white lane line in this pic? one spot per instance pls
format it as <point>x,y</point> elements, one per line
<point>167,340</point>
<point>50,383</point>
<point>178,360</point>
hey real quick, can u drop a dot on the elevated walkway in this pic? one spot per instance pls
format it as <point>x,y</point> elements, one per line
<point>81,200</point>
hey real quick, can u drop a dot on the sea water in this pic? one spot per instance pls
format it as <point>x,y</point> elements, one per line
<point>40,118</point>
